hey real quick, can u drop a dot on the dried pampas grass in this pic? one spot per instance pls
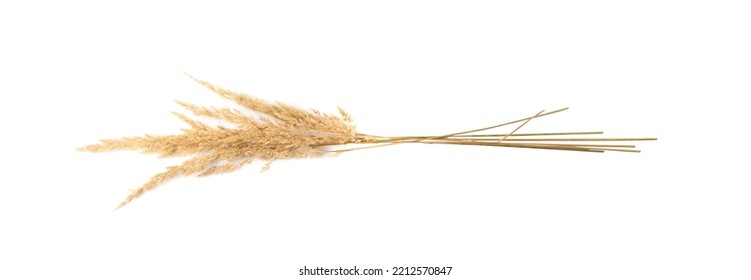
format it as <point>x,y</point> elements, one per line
<point>282,131</point>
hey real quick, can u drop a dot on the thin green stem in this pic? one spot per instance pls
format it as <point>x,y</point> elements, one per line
<point>520,126</point>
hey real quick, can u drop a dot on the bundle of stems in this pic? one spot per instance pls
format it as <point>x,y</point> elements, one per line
<point>281,131</point>
<point>542,140</point>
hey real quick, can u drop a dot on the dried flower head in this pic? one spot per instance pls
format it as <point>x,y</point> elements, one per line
<point>282,132</point>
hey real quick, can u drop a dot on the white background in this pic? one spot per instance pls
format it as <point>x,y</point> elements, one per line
<point>73,72</point>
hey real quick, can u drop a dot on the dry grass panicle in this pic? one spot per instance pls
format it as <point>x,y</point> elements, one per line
<point>285,132</point>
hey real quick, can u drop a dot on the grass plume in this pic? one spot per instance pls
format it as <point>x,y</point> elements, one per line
<point>283,131</point>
